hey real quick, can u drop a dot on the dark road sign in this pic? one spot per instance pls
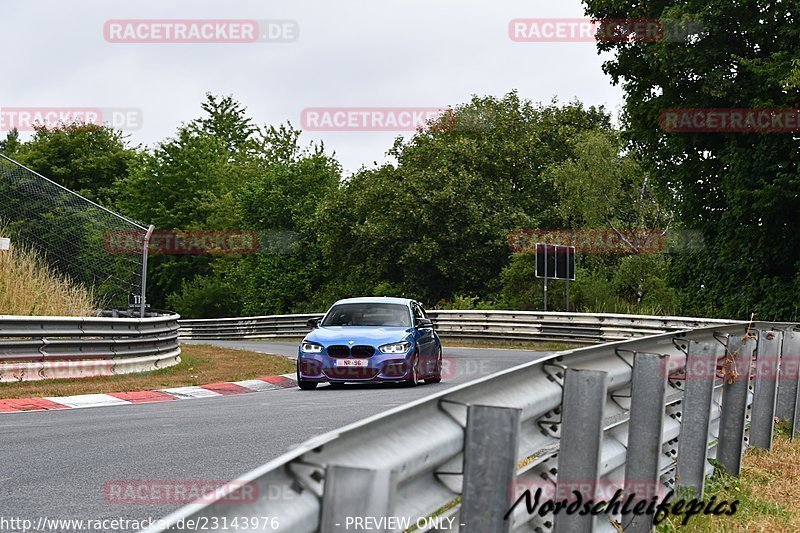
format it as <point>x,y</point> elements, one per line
<point>554,261</point>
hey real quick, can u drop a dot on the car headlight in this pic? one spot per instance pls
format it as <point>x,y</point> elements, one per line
<point>309,347</point>
<point>398,347</point>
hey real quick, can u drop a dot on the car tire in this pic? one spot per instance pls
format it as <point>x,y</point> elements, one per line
<point>307,385</point>
<point>437,377</point>
<point>413,381</point>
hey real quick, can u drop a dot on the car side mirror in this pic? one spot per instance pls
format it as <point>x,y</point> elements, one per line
<point>313,323</point>
<point>424,323</point>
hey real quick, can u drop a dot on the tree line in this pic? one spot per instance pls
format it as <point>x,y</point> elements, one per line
<point>433,225</point>
<point>435,222</point>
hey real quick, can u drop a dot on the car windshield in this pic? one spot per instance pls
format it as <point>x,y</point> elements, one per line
<point>368,314</point>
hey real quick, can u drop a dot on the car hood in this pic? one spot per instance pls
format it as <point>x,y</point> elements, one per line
<point>375,336</point>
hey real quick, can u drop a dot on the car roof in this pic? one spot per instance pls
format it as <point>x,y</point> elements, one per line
<point>375,300</point>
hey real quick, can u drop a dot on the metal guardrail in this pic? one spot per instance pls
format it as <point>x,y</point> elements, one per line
<point>642,416</point>
<point>257,327</point>
<point>478,325</point>
<point>35,347</point>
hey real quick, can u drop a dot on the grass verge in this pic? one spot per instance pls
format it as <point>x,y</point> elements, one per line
<point>768,491</point>
<point>200,365</point>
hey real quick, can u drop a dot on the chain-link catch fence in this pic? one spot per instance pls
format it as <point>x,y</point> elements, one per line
<point>71,233</point>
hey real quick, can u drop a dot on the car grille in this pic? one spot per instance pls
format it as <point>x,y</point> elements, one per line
<point>351,373</point>
<point>338,351</point>
<point>360,351</point>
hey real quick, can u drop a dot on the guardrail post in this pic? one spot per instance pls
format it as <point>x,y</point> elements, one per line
<point>698,394</point>
<point>490,467</point>
<point>765,388</point>
<point>648,389</point>
<point>787,408</point>
<point>581,441</point>
<point>351,493</point>
<point>734,405</point>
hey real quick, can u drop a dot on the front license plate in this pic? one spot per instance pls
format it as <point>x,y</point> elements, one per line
<point>352,362</point>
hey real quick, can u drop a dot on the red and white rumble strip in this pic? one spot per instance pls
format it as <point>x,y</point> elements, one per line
<point>164,395</point>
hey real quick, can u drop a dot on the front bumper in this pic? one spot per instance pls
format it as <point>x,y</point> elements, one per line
<point>380,367</point>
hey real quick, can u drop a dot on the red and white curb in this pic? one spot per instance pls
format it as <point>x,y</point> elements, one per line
<point>212,390</point>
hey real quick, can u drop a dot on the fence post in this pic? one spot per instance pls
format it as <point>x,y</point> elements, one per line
<point>765,388</point>
<point>787,408</point>
<point>698,394</point>
<point>145,251</point>
<point>581,443</point>
<point>734,405</point>
<point>355,492</point>
<point>490,467</point>
<point>645,427</point>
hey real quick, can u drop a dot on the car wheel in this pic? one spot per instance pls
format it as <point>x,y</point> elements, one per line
<point>437,377</point>
<point>413,379</point>
<point>307,385</point>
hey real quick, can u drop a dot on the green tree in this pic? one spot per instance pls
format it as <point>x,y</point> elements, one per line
<point>741,190</point>
<point>436,224</point>
<point>641,280</point>
<point>280,201</point>
<point>86,158</point>
<point>603,187</point>
<point>226,120</point>
<point>11,144</point>
<point>189,182</point>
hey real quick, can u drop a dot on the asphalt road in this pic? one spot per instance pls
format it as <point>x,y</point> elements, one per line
<point>56,464</point>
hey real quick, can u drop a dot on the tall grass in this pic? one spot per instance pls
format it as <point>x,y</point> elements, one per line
<point>622,307</point>
<point>29,287</point>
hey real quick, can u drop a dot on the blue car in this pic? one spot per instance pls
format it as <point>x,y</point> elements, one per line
<point>370,340</point>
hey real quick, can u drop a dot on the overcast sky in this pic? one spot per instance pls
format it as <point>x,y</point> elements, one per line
<point>350,53</point>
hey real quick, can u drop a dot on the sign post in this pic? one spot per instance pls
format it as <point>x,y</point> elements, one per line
<point>554,261</point>
<point>545,275</point>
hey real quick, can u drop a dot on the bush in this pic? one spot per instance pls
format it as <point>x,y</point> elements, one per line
<point>593,293</point>
<point>206,297</point>
<point>465,303</point>
<point>520,288</point>
<point>640,280</point>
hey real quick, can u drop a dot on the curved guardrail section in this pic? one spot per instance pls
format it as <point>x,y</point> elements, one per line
<point>642,416</point>
<point>35,347</point>
<point>479,325</point>
<point>256,327</point>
